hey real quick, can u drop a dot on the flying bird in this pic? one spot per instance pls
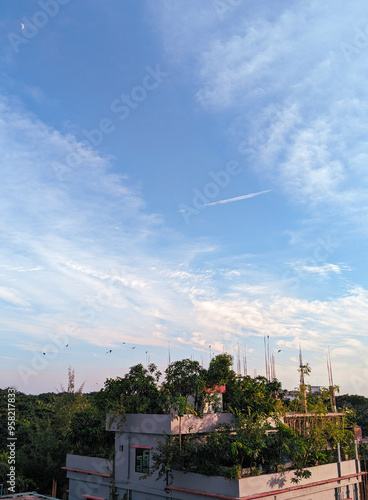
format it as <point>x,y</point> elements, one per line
<point>22,26</point>
<point>44,353</point>
<point>66,345</point>
<point>133,347</point>
<point>279,350</point>
<point>108,351</point>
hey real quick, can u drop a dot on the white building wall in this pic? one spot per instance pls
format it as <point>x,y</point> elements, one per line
<point>320,486</point>
<point>169,424</point>
<point>144,431</point>
<point>319,474</point>
<point>141,431</point>
<point>92,485</point>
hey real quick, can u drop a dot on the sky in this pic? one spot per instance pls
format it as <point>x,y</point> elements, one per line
<point>181,179</point>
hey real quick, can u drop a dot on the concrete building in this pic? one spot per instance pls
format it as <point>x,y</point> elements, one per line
<point>301,422</point>
<point>135,440</point>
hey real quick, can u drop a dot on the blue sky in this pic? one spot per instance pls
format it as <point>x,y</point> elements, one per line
<point>123,126</point>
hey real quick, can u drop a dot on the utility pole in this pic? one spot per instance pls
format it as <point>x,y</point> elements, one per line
<point>330,382</point>
<point>245,366</point>
<point>303,388</point>
<point>238,366</point>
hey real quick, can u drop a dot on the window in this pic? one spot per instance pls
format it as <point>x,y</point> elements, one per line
<point>142,460</point>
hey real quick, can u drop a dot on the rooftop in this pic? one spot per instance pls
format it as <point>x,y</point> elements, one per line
<point>33,495</point>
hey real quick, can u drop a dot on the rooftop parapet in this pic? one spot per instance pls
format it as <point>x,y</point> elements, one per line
<point>169,424</point>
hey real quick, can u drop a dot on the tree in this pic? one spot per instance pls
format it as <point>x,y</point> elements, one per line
<point>136,392</point>
<point>87,434</point>
<point>71,383</point>
<point>183,379</point>
<point>357,404</point>
<point>21,484</point>
<point>255,396</point>
<point>249,439</point>
<point>219,371</point>
<point>320,402</point>
<point>222,452</point>
<point>304,371</point>
<point>315,445</point>
<point>42,424</point>
<point>42,457</point>
<point>68,401</point>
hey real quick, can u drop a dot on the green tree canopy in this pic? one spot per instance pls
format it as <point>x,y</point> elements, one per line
<point>184,378</point>
<point>257,396</point>
<point>87,434</point>
<point>359,404</point>
<point>136,392</point>
<point>219,371</point>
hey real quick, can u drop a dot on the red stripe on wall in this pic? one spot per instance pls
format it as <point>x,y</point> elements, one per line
<point>269,493</point>
<point>93,498</point>
<point>86,472</point>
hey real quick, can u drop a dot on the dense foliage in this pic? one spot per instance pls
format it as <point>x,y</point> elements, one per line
<point>359,406</point>
<point>48,426</point>
<point>252,447</point>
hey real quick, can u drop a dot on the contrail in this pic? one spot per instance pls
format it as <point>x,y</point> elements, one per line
<point>238,198</point>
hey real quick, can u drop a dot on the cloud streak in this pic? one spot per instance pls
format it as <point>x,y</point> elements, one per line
<point>237,198</point>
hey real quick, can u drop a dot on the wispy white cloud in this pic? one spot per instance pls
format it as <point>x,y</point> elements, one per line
<point>323,270</point>
<point>83,250</point>
<point>314,322</point>
<point>23,270</point>
<point>241,65</point>
<point>88,273</point>
<point>275,73</point>
<point>12,296</point>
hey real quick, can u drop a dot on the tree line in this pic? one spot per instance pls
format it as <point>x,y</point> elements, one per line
<point>51,425</point>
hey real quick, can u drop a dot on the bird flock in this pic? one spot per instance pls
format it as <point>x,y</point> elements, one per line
<point>107,352</point>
